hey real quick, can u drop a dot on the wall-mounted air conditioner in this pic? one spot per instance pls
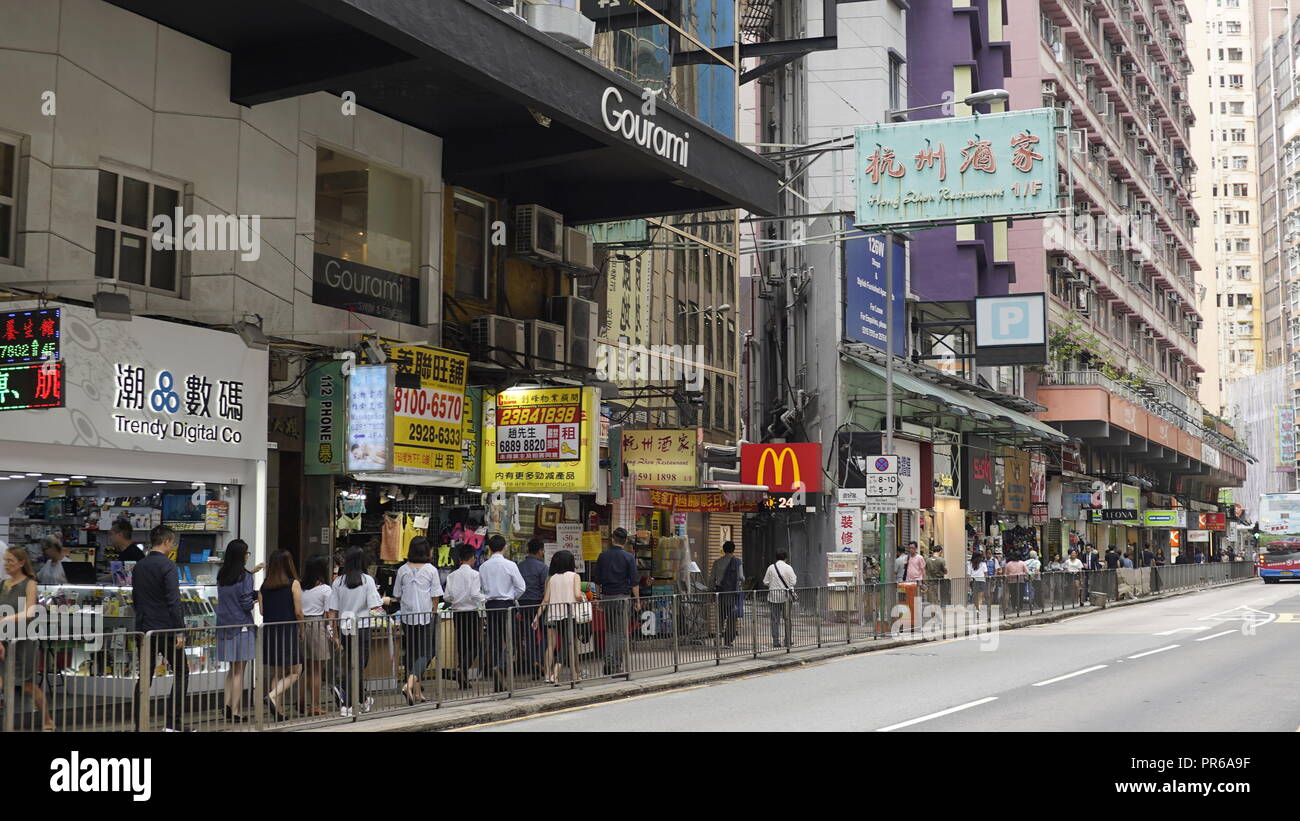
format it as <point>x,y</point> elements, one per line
<point>545,345</point>
<point>503,336</point>
<point>539,232</point>
<point>581,324</point>
<point>578,248</point>
<point>1049,87</point>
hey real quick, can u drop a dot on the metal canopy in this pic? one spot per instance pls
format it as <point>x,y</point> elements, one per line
<point>481,80</point>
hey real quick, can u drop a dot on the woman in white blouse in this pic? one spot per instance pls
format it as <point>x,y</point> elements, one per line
<point>563,591</point>
<point>419,590</point>
<point>353,597</point>
<point>316,636</point>
<point>978,577</point>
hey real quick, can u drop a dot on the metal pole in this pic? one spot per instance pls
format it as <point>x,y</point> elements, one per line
<point>887,518</point>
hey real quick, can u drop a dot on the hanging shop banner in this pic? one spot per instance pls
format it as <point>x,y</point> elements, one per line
<point>909,474</point>
<point>782,466</point>
<point>471,447</point>
<point>325,419</point>
<point>1286,433</point>
<point>865,316</point>
<point>663,458</point>
<point>945,470</point>
<point>428,412</point>
<point>1038,513</point>
<point>1111,514</point>
<point>541,439</point>
<point>977,476</point>
<point>370,418</point>
<point>1164,518</point>
<point>1037,479</point>
<point>848,522</point>
<point>1212,521</point>
<point>29,336</point>
<point>705,502</point>
<point>627,301</point>
<point>1015,486</point>
<point>146,385</point>
<point>615,462</point>
<point>1198,535</point>
<point>957,168</point>
<point>1130,497</point>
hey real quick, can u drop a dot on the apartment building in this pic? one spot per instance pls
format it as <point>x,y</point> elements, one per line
<point>1228,191</point>
<point>1120,268</point>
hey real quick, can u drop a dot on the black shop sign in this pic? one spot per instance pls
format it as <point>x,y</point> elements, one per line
<point>343,283</point>
<point>1115,515</point>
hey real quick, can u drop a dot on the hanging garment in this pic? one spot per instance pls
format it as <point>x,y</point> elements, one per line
<point>444,556</point>
<point>390,544</point>
<point>354,504</point>
<point>409,532</point>
<point>345,522</point>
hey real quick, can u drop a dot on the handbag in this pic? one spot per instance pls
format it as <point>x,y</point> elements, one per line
<point>582,610</point>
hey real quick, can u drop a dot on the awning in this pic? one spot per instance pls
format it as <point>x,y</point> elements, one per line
<point>521,116</point>
<point>974,406</point>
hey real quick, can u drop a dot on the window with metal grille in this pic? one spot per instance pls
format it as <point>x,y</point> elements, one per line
<point>126,204</point>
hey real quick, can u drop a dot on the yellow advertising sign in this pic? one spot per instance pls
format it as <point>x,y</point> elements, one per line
<point>591,545</point>
<point>541,439</point>
<point>428,421</point>
<point>663,458</point>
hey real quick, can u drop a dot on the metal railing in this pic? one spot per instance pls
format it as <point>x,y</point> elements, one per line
<point>319,671</point>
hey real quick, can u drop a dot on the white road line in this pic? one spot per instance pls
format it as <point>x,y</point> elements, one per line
<point>1181,629</point>
<point>948,711</point>
<point>1216,635</point>
<point>1153,652</point>
<point>1069,675</point>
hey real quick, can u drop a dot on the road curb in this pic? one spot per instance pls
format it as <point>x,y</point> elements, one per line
<point>549,701</point>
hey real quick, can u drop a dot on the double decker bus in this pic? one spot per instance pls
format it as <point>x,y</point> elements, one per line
<point>1279,537</point>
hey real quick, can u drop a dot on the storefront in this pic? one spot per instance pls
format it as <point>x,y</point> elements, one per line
<point>148,421</point>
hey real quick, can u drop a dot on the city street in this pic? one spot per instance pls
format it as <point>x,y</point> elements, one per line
<point>1175,665</point>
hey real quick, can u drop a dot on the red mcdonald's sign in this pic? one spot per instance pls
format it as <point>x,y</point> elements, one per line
<point>780,465</point>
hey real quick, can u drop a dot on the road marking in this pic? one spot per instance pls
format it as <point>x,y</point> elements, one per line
<point>1288,618</point>
<point>1181,629</point>
<point>1216,635</point>
<point>939,714</point>
<point>1153,652</point>
<point>1069,675</point>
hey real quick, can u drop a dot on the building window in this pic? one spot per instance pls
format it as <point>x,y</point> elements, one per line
<point>1243,272</point>
<point>1242,246</point>
<point>1236,80</point>
<point>1237,107</point>
<point>470,250</point>
<point>1238,135</point>
<point>1240,189</point>
<point>895,81</point>
<point>1234,55</point>
<point>1243,217</point>
<point>125,207</point>
<point>1232,27</point>
<point>8,200</point>
<point>1239,162</point>
<point>731,346</point>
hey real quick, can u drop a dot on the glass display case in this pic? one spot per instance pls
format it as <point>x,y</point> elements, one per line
<point>104,661</point>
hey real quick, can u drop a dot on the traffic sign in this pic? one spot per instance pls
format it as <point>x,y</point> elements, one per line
<point>852,496</point>
<point>881,505</point>
<point>885,463</point>
<point>882,484</point>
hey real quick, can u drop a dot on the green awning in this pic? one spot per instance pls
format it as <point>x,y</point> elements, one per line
<point>971,403</point>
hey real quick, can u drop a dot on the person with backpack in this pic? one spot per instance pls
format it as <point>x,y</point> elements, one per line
<point>779,580</point>
<point>726,583</point>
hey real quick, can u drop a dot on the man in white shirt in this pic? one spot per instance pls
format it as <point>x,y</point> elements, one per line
<point>780,579</point>
<point>503,584</point>
<point>464,592</point>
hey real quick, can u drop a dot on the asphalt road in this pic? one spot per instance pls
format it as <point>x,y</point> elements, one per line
<point>1196,662</point>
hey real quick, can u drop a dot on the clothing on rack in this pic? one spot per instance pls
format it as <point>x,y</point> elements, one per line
<point>390,543</point>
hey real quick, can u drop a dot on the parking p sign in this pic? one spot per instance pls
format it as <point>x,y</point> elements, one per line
<point>1011,329</point>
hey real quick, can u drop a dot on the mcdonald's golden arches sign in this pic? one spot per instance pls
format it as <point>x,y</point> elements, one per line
<point>781,465</point>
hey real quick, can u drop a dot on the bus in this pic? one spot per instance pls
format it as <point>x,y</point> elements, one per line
<point>1279,537</point>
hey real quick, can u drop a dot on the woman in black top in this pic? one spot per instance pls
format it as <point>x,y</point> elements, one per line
<point>280,602</point>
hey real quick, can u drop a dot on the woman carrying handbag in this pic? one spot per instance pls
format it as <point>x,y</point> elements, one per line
<point>564,606</point>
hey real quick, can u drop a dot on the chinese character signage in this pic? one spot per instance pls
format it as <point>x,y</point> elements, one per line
<point>326,421</point>
<point>31,385</point>
<point>428,420</point>
<point>1212,521</point>
<point>29,336</point>
<point>145,385</point>
<point>471,446</point>
<point>865,317</point>
<point>627,301</point>
<point>978,489</point>
<point>783,467</point>
<point>541,439</point>
<point>1286,449</point>
<point>370,402</point>
<point>662,458</point>
<point>705,502</point>
<point>848,529</point>
<point>957,168</point>
<point>1015,485</point>
<point>909,474</point>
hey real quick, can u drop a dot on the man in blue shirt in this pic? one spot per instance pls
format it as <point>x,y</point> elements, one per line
<point>616,579</point>
<point>502,587</point>
<point>534,571</point>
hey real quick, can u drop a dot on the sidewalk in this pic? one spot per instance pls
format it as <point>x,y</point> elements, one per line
<point>562,698</point>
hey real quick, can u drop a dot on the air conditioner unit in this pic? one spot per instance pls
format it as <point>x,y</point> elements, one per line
<point>1131,129</point>
<point>578,248</point>
<point>1148,333</point>
<point>569,26</point>
<point>539,232</point>
<point>1128,67</point>
<point>505,338</point>
<point>1082,301</point>
<point>581,324</point>
<point>545,345</point>
<point>1059,261</point>
<point>1147,39</point>
<point>1143,145</point>
<point>1049,87</point>
<point>1141,28</point>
